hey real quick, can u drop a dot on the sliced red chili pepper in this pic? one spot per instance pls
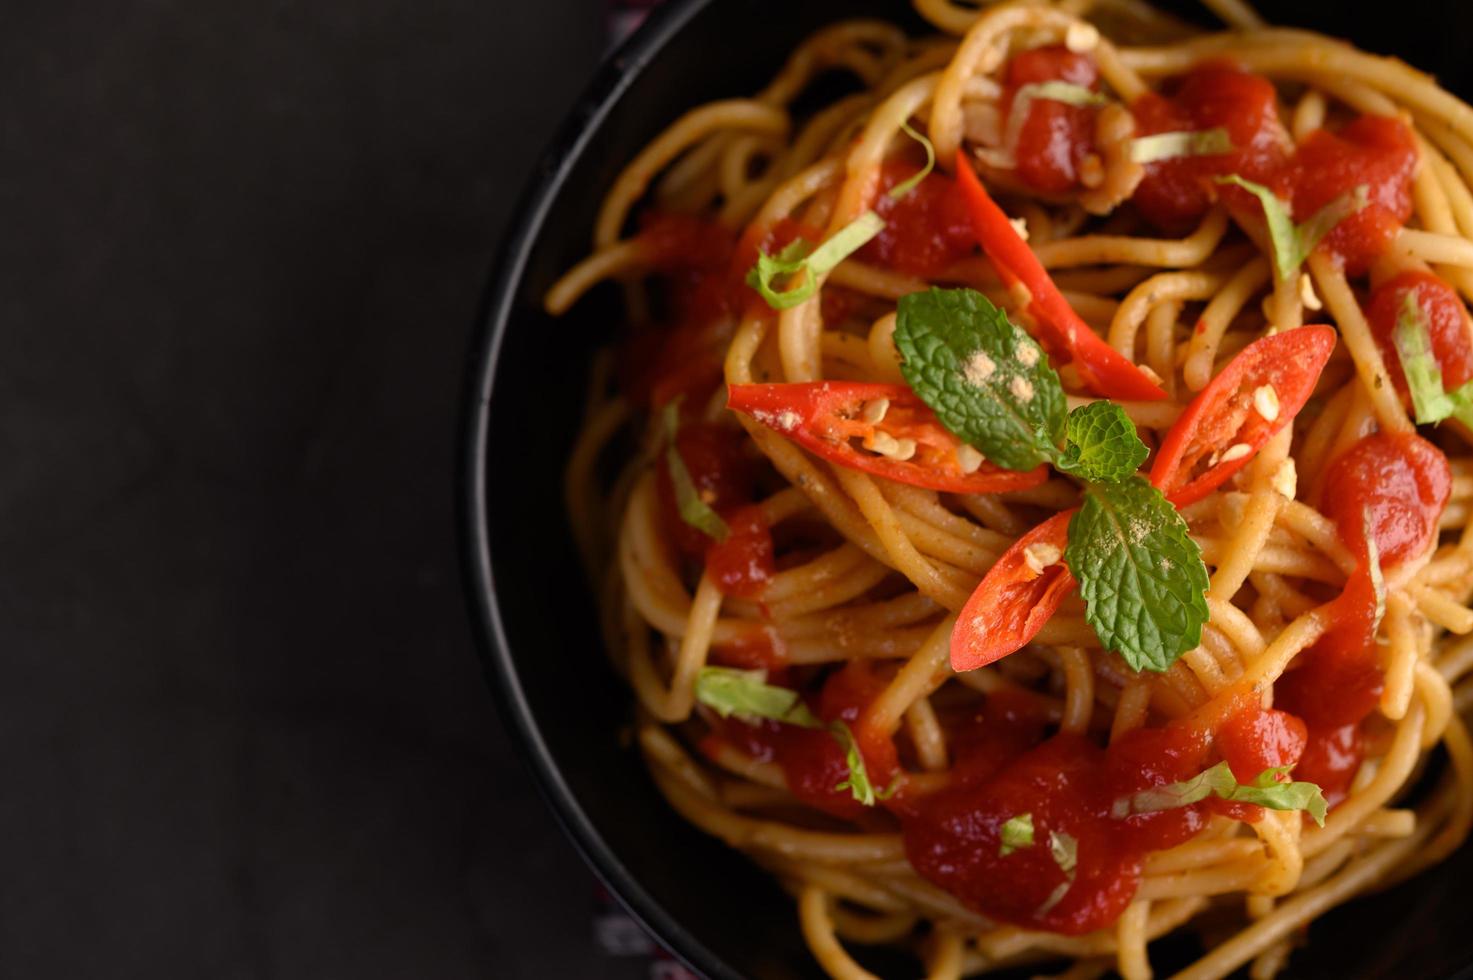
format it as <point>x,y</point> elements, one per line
<point>1224,416</point>
<point>1067,337</point>
<point>1015,598</point>
<point>1014,601</point>
<point>827,419</point>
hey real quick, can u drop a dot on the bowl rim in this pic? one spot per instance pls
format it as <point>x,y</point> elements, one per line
<point>616,73</point>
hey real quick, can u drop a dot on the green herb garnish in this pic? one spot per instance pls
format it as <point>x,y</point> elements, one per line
<point>1139,571</point>
<point>1016,833</point>
<point>799,261</point>
<point>1169,146</point>
<point>1292,243</point>
<point>1141,575</point>
<point>858,782</point>
<point>987,380</point>
<point>747,695</point>
<point>1431,402</point>
<point>1065,851</point>
<point>1101,443</point>
<point>693,510</point>
<point>910,184</point>
<point>1266,790</point>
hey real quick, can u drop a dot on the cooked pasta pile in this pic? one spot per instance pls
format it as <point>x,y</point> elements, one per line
<point>828,586</point>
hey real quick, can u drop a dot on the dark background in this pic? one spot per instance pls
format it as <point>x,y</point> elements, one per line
<point>242,728</point>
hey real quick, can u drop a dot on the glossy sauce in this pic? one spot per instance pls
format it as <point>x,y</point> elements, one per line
<point>680,356</point>
<point>1056,137</point>
<point>1069,785</point>
<point>1401,481</point>
<point>1375,151</point>
<point>1392,488</point>
<point>1176,192</point>
<point>812,761</point>
<point>1442,312</point>
<point>926,229</point>
<point>744,563</point>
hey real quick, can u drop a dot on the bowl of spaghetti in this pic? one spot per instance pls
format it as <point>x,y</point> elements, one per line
<point>984,488</point>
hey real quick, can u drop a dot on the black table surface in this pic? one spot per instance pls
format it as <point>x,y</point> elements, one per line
<point>241,251</point>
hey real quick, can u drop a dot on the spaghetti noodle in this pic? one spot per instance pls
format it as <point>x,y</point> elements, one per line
<point>906,650</point>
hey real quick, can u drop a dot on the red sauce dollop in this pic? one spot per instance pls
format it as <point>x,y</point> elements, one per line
<point>1444,315</point>
<point>1056,137</point>
<point>1330,760</point>
<point>1394,488</point>
<point>720,469</point>
<point>1399,482</point>
<point>1338,681</point>
<point>812,760</point>
<point>1069,786</point>
<point>926,229</point>
<point>1376,151</point>
<point>744,563</point>
<point>681,355</point>
<point>1178,191</point>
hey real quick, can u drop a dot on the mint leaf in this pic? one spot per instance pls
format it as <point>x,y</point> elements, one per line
<point>1101,443</point>
<point>1292,243</point>
<point>693,510</point>
<point>746,694</point>
<point>986,379</point>
<point>1266,790</point>
<point>1141,575</point>
<point>910,184</point>
<point>1169,146</point>
<point>1016,832</point>
<point>796,260</point>
<point>858,782</point>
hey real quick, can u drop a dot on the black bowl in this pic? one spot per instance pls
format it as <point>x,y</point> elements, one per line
<point>537,619</point>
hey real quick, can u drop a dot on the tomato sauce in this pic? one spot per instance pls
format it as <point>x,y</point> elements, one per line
<point>812,760</point>
<point>1175,192</point>
<point>1331,757</point>
<point>1391,489</point>
<point>680,356</point>
<point>1056,137</point>
<point>744,563</point>
<point>761,649</point>
<point>926,229</point>
<point>1399,484</point>
<point>722,473</point>
<point>1445,318</point>
<point>1376,152</point>
<point>1070,785</point>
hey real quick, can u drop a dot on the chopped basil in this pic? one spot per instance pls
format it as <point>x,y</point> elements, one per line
<point>1266,790</point>
<point>1169,146</point>
<point>693,510</point>
<point>1292,243</point>
<point>796,261</point>
<point>1016,833</point>
<point>905,187</point>
<point>747,695</point>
